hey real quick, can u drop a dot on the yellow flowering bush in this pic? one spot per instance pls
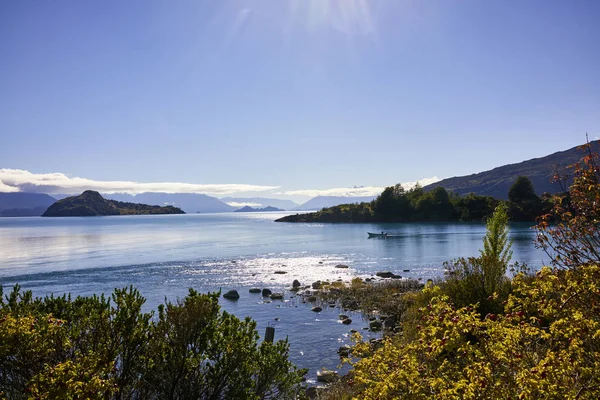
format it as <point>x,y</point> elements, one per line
<point>545,345</point>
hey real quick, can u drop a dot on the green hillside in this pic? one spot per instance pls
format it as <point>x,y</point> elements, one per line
<point>497,181</point>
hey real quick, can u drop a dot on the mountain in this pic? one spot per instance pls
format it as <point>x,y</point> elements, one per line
<point>24,204</point>
<point>252,209</point>
<point>91,203</point>
<point>260,202</point>
<point>188,202</point>
<point>24,200</point>
<point>320,202</point>
<point>23,212</point>
<point>496,182</point>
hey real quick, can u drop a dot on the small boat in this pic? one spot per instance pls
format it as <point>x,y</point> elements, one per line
<point>382,234</point>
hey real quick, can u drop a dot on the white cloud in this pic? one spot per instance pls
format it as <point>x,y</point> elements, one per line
<point>5,188</point>
<point>357,191</point>
<point>422,182</point>
<point>344,192</point>
<point>237,204</point>
<point>15,180</point>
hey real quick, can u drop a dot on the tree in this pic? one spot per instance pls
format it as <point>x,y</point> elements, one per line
<point>392,204</point>
<point>522,190</point>
<point>496,253</point>
<point>525,205</point>
<point>570,233</point>
<point>479,280</point>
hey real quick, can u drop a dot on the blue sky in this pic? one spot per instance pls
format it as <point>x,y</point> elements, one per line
<point>293,94</point>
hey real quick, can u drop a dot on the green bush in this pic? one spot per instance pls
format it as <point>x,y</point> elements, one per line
<point>482,280</point>
<point>92,347</point>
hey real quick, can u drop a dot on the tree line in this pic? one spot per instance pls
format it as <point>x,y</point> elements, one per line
<point>395,204</point>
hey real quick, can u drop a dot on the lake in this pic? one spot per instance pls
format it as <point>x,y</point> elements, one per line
<point>165,255</point>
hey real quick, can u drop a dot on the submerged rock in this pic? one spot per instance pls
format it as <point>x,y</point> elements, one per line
<point>231,295</point>
<point>276,296</point>
<point>254,290</point>
<point>341,266</point>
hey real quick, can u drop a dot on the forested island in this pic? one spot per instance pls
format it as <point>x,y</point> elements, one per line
<point>91,203</point>
<point>395,204</point>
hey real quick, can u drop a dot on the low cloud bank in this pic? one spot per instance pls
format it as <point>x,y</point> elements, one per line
<point>358,191</point>
<point>17,180</point>
<point>240,205</point>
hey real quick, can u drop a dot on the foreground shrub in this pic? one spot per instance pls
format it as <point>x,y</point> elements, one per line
<point>91,347</point>
<point>482,281</point>
<point>545,345</point>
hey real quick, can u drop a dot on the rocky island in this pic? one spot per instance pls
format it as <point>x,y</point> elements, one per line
<point>91,203</point>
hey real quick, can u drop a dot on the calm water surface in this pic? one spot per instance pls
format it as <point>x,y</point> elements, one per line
<point>165,255</point>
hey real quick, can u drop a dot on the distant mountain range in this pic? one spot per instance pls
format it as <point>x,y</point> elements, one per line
<point>252,209</point>
<point>24,204</point>
<point>91,203</point>
<point>188,202</point>
<point>496,182</point>
<point>320,202</point>
<point>260,202</point>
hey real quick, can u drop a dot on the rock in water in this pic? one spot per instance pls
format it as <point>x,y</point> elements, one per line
<point>255,290</point>
<point>296,283</point>
<point>327,376</point>
<point>388,274</point>
<point>231,295</point>
<point>341,266</point>
<point>375,326</point>
<point>344,351</point>
<point>316,309</point>
<point>276,296</point>
<point>266,292</point>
